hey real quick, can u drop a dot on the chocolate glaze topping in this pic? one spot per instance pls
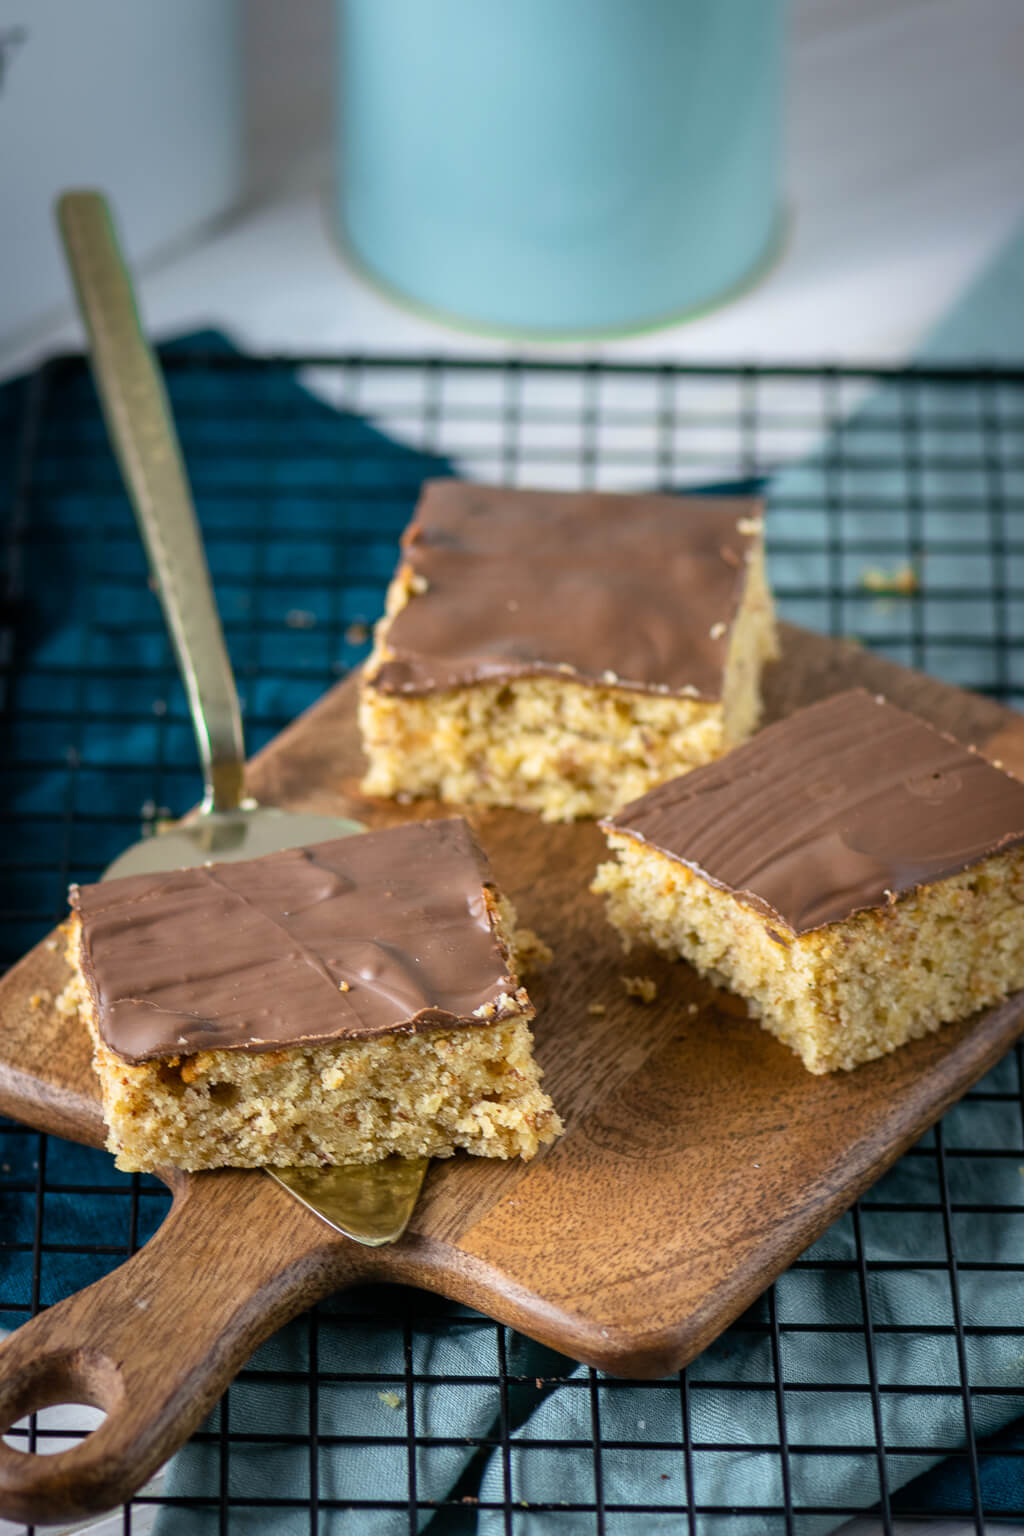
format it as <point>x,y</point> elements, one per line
<point>254,955</point>
<point>633,591</point>
<point>844,806</point>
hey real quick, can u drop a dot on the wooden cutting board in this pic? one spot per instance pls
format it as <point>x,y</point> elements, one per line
<point>699,1156</point>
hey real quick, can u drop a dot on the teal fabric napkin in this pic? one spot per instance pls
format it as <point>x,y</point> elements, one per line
<point>730,1405</point>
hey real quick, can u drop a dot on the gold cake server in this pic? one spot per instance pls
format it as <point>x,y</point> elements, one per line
<point>369,1203</point>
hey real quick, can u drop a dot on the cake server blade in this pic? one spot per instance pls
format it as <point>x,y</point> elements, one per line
<point>369,1202</point>
<point>371,1205</point>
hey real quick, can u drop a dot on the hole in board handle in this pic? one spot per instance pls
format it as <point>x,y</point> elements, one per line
<point>71,1394</point>
<point>58,1428</point>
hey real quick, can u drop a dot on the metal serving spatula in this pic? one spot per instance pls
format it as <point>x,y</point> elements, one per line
<point>371,1203</point>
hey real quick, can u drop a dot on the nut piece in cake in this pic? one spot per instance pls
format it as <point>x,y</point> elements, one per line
<point>329,1004</point>
<point>855,875</point>
<point>563,653</point>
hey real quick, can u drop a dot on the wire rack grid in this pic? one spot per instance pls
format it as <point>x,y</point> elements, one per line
<point>895,504</point>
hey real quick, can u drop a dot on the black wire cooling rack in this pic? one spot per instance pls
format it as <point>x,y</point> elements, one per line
<point>896,502</point>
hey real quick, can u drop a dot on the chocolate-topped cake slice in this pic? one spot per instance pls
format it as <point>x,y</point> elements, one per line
<point>853,873</point>
<point>562,652</point>
<point>329,1004</point>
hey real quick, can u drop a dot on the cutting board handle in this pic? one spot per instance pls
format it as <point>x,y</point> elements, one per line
<point>156,1342</point>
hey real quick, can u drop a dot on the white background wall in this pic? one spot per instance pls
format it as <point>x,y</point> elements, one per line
<point>906,143</point>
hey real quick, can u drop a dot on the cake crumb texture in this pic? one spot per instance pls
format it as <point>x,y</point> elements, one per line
<point>849,991</point>
<point>475,1088</point>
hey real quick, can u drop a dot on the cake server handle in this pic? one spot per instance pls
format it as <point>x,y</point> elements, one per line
<point>156,1342</point>
<point>141,428</point>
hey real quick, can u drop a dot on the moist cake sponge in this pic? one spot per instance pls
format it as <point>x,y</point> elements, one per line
<point>331,1004</point>
<point>856,876</point>
<point>562,653</point>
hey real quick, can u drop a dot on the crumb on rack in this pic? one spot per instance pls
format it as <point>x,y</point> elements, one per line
<point>596,1009</point>
<point>902,580</point>
<point>300,618</point>
<point>641,987</point>
<point>390,1399</point>
<point>357,633</point>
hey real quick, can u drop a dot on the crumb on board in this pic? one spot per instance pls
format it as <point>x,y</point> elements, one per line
<point>531,950</point>
<point>641,987</point>
<point>51,945</point>
<point>903,580</point>
<point>692,1008</point>
<point>390,1399</point>
<point>596,1009</point>
<point>37,999</point>
<point>66,1004</point>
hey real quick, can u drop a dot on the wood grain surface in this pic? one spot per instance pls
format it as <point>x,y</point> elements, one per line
<point>699,1157</point>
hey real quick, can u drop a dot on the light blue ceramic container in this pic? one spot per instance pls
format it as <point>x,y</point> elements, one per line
<point>560,166</point>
